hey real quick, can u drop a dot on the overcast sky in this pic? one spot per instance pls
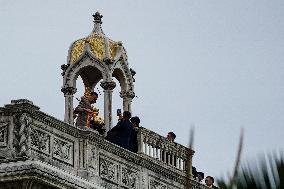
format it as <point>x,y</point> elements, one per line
<point>214,64</point>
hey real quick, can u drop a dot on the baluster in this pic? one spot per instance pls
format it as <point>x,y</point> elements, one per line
<point>145,150</point>
<point>153,151</point>
<point>140,140</point>
<point>165,156</point>
<point>157,153</point>
<point>181,165</point>
<point>143,147</point>
<point>178,162</point>
<point>174,160</point>
<point>169,158</point>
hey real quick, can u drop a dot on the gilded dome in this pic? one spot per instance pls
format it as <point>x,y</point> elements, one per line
<point>100,46</point>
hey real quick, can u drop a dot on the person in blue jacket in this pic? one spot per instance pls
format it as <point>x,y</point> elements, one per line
<point>122,133</point>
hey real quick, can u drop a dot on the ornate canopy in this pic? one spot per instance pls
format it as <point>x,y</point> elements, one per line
<point>96,58</point>
<point>100,45</point>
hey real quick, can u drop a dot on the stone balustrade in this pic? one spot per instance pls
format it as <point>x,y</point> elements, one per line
<point>40,151</point>
<point>160,148</point>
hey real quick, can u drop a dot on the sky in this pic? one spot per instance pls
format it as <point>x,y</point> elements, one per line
<point>215,65</point>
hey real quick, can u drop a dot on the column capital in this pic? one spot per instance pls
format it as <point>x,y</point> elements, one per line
<point>127,94</point>
<point>108,85</point>
<point>68,90</point>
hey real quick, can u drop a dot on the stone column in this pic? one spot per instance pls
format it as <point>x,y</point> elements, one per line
<point>127,97</point>
<point>108,87</point>
<point>68,95</point>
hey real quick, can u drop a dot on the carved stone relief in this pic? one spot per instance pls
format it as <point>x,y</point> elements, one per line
<point>93,161</point>
<point>3,134</point>
<point>63,150</point>
<point>144,181</point>
<point>108,185</point>
<point>40,141</point>
<point>22,132</point>
<point>108,170</point>
<point>129,178</point>
<point>154,184</point>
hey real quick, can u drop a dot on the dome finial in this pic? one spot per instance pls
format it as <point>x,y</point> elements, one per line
<point>97,18</point>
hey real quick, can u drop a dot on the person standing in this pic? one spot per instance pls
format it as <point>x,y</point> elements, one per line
<point>122,133</point>
<point>135,121</point>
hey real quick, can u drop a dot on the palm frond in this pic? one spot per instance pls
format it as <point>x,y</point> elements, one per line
<point>262,175</point>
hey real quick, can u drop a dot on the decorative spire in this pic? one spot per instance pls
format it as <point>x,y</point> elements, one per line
<point>97,18</point>
<point>97,23</point>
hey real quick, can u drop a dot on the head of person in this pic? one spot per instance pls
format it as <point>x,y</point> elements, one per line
<point>209,181</point>
<point>92,98</point>
<point>126,115</point>
<point>200,176</point>
<point>171,136</point>
<point>135,121</point>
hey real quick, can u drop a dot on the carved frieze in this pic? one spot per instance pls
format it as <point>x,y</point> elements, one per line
<point>63,150</point>
<point>108,170</point>
<point>154,184</point>
<point>40,141</point>
<point>129,178</point>
<point>3,134</point>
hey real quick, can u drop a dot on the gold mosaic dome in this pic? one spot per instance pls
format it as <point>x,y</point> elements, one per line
<point>100,46</point>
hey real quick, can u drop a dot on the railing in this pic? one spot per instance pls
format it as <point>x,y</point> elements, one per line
<point>160,148</point>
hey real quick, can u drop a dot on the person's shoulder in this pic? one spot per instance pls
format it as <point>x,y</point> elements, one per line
<point>129,123</point>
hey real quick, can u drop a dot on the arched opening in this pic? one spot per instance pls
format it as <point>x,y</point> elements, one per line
<point>117,102</point>
<point>88,79</point>
<point>120,80</point>
<point>119,76</point>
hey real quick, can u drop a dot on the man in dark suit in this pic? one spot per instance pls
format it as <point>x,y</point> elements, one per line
<point>135,122</point>
<point>122,133</point>
<point>209,182</point>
